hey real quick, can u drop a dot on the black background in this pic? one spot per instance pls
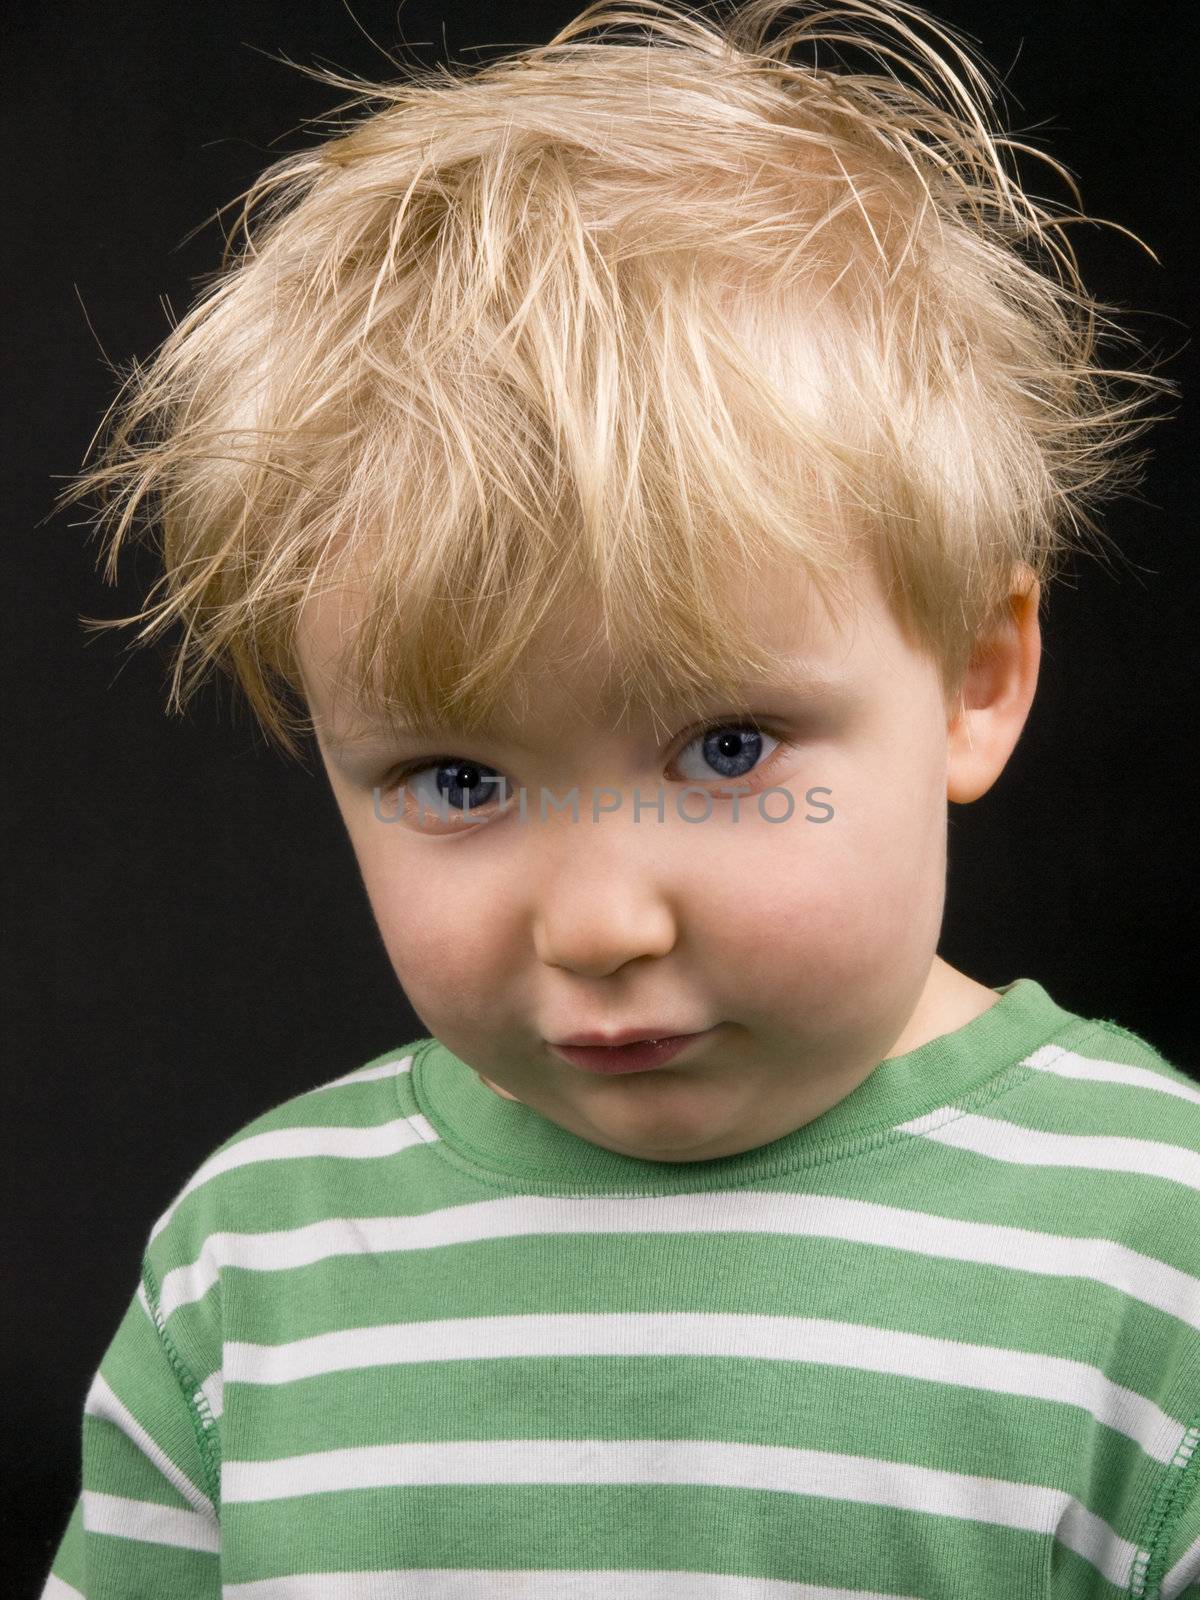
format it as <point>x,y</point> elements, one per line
<point>187,939</point>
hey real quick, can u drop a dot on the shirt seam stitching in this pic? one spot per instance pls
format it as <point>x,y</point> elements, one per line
<point>202,1420</point>
<point>1001,1084</point>
<point>1179,1478</point>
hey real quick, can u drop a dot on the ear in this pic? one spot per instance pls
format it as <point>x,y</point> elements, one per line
<point>996,693</point>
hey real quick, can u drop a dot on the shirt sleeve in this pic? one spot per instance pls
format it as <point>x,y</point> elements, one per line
<point>145,1525</point>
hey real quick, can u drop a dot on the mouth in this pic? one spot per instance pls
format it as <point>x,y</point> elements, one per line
<point>641,1056</point>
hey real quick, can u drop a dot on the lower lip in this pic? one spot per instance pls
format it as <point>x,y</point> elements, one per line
<point>627,1057</point>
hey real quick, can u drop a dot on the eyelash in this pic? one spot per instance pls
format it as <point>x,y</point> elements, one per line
<point>397,775</point>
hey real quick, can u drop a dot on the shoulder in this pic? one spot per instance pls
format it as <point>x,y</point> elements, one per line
<point>1110,1068</point>
<point>1108,1131</point>
<point>284,1166</point>
<point>1091,1134</point>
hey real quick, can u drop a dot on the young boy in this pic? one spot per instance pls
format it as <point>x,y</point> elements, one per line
<point>646,461</point>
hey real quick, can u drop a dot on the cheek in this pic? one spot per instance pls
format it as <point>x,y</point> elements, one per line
<point>420,929</point>
<point>443,939</point>
<point>805,911</point>
<point>780,907</point>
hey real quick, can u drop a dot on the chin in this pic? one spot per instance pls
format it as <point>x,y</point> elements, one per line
<point>680,1145</point>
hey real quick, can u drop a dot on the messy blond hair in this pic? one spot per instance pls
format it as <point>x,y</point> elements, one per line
<point>584,331</point>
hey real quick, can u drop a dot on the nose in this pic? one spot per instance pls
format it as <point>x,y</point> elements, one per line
<point>598,906</point>
<point>596,935</point>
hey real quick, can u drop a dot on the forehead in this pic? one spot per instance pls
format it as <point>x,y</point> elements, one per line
<point>567,677</point>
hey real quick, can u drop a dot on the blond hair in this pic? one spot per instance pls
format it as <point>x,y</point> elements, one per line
<point>589,329</point>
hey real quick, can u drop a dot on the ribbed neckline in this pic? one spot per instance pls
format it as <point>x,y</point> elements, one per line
<point>509,1143</point>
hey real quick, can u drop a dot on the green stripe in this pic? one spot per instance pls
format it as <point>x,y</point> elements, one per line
<point>613,1527</point>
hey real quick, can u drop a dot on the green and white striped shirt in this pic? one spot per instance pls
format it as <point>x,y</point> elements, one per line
<point>401,1336</point>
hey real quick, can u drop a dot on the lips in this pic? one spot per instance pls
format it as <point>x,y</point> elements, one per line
<point>651,1035</point>
<point>640,1056</point>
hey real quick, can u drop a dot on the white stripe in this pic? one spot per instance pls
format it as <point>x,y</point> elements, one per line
<point>213,1389</point>
<point>1033,1147</point>
<point>864,1347</point>
<point>829,1474</point>
<point>1141,1277</point>
<point>388,1069</point>
<point>56,1589</point>
<point>103,1403</point>
<point>1069,1064</point>
<point>293,1144</point>
<point>1186,1570</point>
<point>468,1583</point>
<point>143,1519</point>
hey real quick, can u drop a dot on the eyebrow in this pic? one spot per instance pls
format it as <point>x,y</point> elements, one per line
<point>390,733</point>
<point>811,682</point>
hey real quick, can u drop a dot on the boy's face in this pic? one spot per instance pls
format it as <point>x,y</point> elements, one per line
<point>806,947</point>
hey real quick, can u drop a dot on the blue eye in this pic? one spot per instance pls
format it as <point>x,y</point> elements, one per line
<point>730,749</point>
<point>460,787</point>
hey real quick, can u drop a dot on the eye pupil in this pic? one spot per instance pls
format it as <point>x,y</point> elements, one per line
<point>460,773</point>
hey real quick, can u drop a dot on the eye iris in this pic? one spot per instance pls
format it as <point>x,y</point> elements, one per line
<point>462,781</point>
<point>735,753</point>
